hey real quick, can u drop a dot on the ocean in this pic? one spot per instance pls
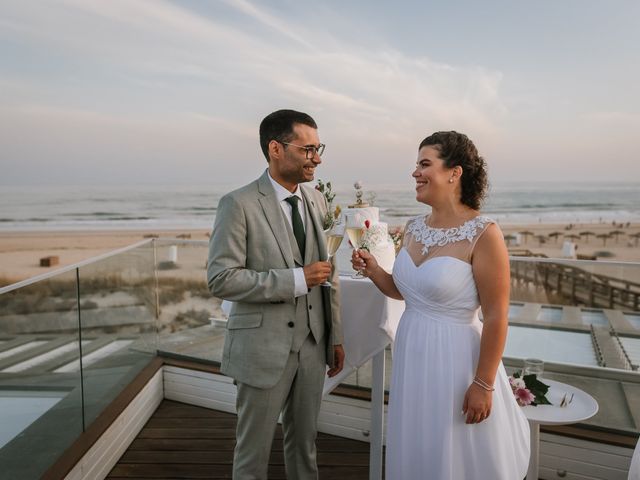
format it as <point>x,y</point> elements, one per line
<point>194,207</point>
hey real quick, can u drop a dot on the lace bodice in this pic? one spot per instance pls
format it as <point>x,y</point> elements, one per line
<point>422,240</point>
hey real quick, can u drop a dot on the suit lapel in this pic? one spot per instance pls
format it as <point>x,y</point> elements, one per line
<point>275,218</point>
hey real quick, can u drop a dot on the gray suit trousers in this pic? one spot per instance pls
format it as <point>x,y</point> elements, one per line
<point>297,395</point>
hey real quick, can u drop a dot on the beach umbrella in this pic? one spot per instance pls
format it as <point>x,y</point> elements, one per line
<point>526,234</point>
<point>635,236</point>
<point>555,235</point>
<point>616,233</point>
<point>572,236</point>
<point>587,234</point>
<point>509,238</point>
<point>541,239</point>
<point>604,237</point>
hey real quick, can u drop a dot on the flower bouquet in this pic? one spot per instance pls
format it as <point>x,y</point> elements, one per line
<point>333,214</point>
<point>528,390</point>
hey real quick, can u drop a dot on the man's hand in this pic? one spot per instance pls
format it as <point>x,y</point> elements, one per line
<point>338,353</point>
<point>316,273</point>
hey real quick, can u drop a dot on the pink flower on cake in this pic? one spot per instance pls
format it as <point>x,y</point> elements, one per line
<point>367,223</point>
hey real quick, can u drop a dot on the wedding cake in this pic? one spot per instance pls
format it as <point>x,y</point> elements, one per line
<point>375,234</point>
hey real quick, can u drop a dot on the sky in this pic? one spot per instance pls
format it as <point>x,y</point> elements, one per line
<point>96,92</point>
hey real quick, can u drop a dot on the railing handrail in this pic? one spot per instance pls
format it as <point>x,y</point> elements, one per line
<point>173,241</point>
<point>572,261</point>
<point>69,268</point>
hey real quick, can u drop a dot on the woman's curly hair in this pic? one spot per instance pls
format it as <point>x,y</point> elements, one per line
<point>456,149</point>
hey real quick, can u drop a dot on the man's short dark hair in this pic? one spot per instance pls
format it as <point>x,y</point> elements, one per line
<point>278,126</point>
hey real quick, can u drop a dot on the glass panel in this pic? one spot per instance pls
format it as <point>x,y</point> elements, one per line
<point>552,346</point>
<point>632,347</point>
<point>118,315</point>
<point>191,322</point>
<point>515,309</point>
<point>633,319</point>
<point>40,409</point>
<point>550,314</point>
<point>594,317</point>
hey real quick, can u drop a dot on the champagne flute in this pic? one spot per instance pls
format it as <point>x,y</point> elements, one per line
<point>334,237</point>
<point>355,226</point>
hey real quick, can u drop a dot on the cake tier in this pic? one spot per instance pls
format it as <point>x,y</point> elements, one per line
<point>368,213</point>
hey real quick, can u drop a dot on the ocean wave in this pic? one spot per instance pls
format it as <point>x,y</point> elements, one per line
<point>401,213</point>
<point>198,209</point>
<point>557,206</point>
<point>92,214</point>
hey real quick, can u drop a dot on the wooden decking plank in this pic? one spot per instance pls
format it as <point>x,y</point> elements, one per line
<point>192,422</point>
<point>188,433</point>
<point>175,444</point>
<point>182,471</point>
<point>183,441</point>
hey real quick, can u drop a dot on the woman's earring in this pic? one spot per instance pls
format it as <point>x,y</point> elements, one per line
<point>451,180</point>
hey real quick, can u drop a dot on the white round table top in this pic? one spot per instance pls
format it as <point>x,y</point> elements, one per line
<point>583,406</point>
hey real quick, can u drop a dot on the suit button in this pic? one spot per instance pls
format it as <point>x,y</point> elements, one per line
<point>308,290</point>
<point>290,324</point>
<point>310,307</point>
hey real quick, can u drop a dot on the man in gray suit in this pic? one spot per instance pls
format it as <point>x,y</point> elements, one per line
<point>267,255</point>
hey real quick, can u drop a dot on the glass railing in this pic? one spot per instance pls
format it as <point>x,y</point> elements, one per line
<point>39,324</point>
<point>70,342</point>
<point>190,323</point>
<point>118,311</point>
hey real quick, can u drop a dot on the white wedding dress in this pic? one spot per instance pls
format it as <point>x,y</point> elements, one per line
<point>435,355</point>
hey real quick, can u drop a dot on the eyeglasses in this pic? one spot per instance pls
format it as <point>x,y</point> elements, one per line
<point>310,150</point>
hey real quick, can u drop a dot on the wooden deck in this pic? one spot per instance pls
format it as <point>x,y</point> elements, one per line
<point>185,441</point>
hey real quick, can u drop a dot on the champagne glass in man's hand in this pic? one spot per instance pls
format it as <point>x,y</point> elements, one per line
<point>334,237</point>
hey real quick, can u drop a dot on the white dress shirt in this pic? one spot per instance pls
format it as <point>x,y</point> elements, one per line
<point>282,194</point>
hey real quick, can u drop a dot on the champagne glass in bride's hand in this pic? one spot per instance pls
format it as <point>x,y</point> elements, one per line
<point>355,228</point>
<point>333,237</point>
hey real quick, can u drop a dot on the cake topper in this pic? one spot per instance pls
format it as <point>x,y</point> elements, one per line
<point>359,203</point>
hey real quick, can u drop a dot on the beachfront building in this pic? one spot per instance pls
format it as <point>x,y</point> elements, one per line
<point>109,369</point>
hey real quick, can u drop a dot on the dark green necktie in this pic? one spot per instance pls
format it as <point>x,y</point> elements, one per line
<point>296,221</point>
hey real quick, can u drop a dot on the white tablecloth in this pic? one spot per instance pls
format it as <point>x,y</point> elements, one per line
<point>369,323</point>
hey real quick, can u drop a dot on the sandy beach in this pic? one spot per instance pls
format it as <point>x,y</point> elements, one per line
<point>624,248</point>
<point>20,252</point>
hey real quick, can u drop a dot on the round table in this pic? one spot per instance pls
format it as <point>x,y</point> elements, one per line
<point>583,407</point>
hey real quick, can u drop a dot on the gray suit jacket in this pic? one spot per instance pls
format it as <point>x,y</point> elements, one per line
<point>251,262</point>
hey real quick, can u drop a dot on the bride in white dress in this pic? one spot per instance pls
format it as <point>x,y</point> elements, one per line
<point>452,415</point>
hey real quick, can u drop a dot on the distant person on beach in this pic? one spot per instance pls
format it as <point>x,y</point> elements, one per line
<point>452,412</point>
<point>267,255</point>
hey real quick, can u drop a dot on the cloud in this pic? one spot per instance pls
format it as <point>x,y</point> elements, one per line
<point>161,69</point>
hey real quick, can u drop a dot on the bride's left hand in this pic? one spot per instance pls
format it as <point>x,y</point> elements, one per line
<point>477,404</point>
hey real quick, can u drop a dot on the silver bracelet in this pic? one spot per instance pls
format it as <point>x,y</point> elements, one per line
<point>483,384</point>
